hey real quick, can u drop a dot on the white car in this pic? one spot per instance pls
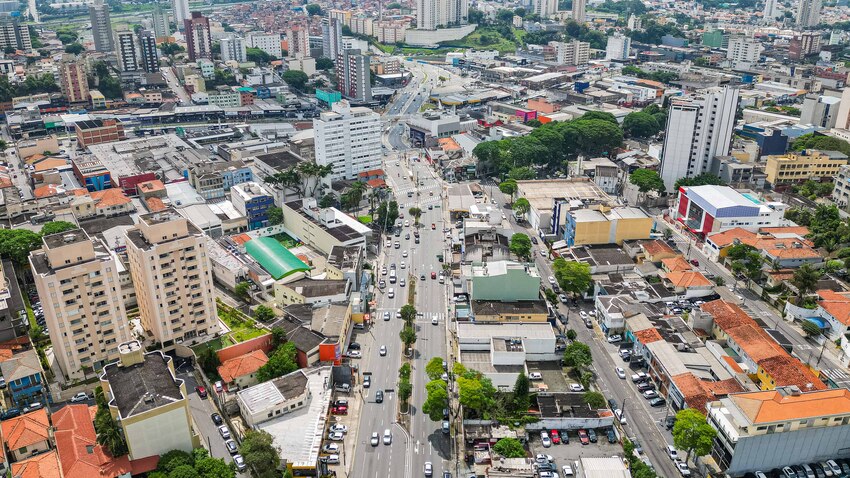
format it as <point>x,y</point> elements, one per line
<point>620,372</point>
<point>331,448</point>
<point>566,470</point>
<point>382,351</point>
<point>332,460</point>
<point>398,314</point>
<point>552,280</point>
<point>402,282</point>
<point>535,376</point>
<point>429,468</point>
<point>388,437</point>
<point>403,265</point>
<point>336,436</point>
<point>79,397</point>
<point>354,354</point>
<point>620,416</point>
<point>582,314</point>
<point>375,440</point>
<point>406,223</point>
<point>650,394</point>
<point>338,427</point>
<point>224,432</point>
<point>672,453</point>
<point>541,458</point>
<point>614,339</point>
<point>386,316</point>
<point>562,298</point>
<point>683,469</point>
<point>404,254</point>
<point>576,387</point>
<point>545,440</point>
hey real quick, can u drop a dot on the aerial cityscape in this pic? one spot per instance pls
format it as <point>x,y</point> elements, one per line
<point>425,238</point>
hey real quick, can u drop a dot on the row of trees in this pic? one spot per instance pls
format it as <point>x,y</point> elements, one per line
<point>44,83</point>
<point>304,179</point>
<point>16,244</point>
<point>823,143</point>
<point>198,464</point>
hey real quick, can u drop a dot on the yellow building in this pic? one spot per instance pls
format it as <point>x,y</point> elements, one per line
<point>800,166</point>
<point>606,225</point>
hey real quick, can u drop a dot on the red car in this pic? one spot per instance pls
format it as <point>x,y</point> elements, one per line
<point>433,275</point>
<point>433,227</point>
<point>582,435</point>
<point>555,437</point>
<point>202,392</point>
<point>340,410</point>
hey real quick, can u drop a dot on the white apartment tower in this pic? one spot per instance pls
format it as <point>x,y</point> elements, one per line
<point>572,53</point>
<point>161,26</point>
<point>125,51</point>
<point>349,139</point>
<point>233,49</point>
<point>77,281</point>
<point>743,52</point>
<point>771,11</point>
<point>298,40</point>
<point>172,276</point>
<point>180,10</point>
<point>268,42</point>
<point>431,14</point>
<point>808,13</point>
<point>618,47</point>
<point>331,38</point>
<point>698,129</point>
<point>353,77</point>
<point>579,7</point>
<point>545,8</point>
<point>101,26</point>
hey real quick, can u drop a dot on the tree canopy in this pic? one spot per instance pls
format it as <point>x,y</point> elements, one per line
<point>577,354</point>
<point>434,368</point>
<point>647,180</point>
<point>436,400</point>
<point>638,124</point>
<point>823,143</point>
<point>314,9</point>
<point>509,448</point>
<point>572,276</point>
<point>324,63</point>
<point>692,433</point>
<point>55,227</point>
<point>281,362</point>
<point>700,180</point>
<point>260,454</point>
<point>296,79</point>
<point>521,246</point>
<point>262,58</point>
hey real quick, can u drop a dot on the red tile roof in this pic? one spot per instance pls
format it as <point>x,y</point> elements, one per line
<point>76,444</point>
<point>155,204</point>
<point>26,430</point>
<point>726,315</point>
<point>45,465</point>
<point>836,304</point>
<point>688,279</point>
<point>648,336</point>
<point>242,365</point>
<point>786,370</point>
<point>698,393</point>
<point>656,246</point>
<point>110,197</point>
<point>150,186</point>
<point>755,342</point>
<point>678,263</point>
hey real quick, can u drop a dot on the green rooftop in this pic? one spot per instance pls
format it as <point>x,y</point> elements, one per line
<point>274,258</point>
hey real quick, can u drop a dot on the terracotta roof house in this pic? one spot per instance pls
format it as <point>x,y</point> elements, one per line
<point>657,250</point>
<point>45,465</point>
<point>240,372</point>
<point>76,443</point>
<point>27,434</point>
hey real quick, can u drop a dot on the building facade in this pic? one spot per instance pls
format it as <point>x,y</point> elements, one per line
<point>707,209</point>
<point>743,52</point>
<point>161,24</point>
<point>252,201</point>
<point>618,47</point>
<point>198,37</point>
<point>180,11</point>
<point>233,49</point>
<point>172,276</point>
<point>125,51</point>
<point>431,15</point>
<point>77,279</point>
<point>573,53</point>
<point>73,79</point>
<point>353,78</point>
<point>267,42</point>
<point>796,167</point>
<point>14,33</point>
<point>579,10</point>
<point>331,38</point>
<point>101,26</point>
<point>545,8</point>
<point>349,139</point>
<point>298,42</point>
<point>808,13</point>
<point>150,53</point>
<point>820,110</point>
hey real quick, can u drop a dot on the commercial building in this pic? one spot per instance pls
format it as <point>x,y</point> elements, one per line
<point>331,38</point>
<point>796,167</point>
<point>298,41</point>
<point>322,229</point>
<point>603,224</point>
<point>618,47</point>
<point>198,36</point>
<point>698,129</point>
<point>267,42</point>
<point>233,49</point>
<point>743,52</point>
<point>505,281</point>
<point>180,11</point>
<point>161,23</point>
<point>573,53</point>
<point>149,51</point>
<point>101,26</point>
<point>808,13</point>
<point>149,402</point>
<point>91,132</point>
<point>348,139</point>
<point>171,274</point>
<point>551,199</point>
<point>73,79</point>
<point>820,110</point>
<point>806,43</point>
<point>841,189</point>
<point>353,78</point>
<point>84,312</point>
<point>776,428</point>
<point>431,15</point>
<point>13,33</point>
<point>253,202</point>
<point>707,209</point>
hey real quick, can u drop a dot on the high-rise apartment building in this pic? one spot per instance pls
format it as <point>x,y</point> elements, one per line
<point>233,49</point>
<point>268,42</point>
<point>842,120</point>
<point>431,14</point>
<point>180,11</point>
<point>343,16</point>
<point>161,25</point>
<point>125,51</point>
<point>820,110</point>
<point>698,129</point>
<point>13,33</point>
<point>150,54</point>
<point>808,13</point>
<point>618,47</point>
<point>771,10</point>
<point>77,280</point>
<point>198,38</point>
<point>101,26</point>
<point>73,80</point>
<point>572,53</point>
<point>545,8</point>
<point>348,139</point>
<point>803,45</point>
<point>352,72</point>
<point>298,41</point>
<point>172,276</point>
<point>331,38</point>
<point>579,10</point>
<point>743,52</point>
<point>363,25</point>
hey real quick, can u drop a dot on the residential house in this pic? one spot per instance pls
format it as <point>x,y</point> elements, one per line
<point>785,247</point>
<point>27,435</point>
<point>45,465</point>
<point>241,372</point>
<point>24,377</point>
<point>675,264</point>
<point>688,284</point>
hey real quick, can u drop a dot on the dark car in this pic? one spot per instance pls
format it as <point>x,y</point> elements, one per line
<point>10,413</point>
<point>669,422</point>
<point>534,240</point>
<point>202,392</point>
<point>612,437</point>
<point>216,418</point>
<point>353,346</point>
<point>379,396</point>
<point>591,433</point>
<point>613,404</point>
<point>657,402</point>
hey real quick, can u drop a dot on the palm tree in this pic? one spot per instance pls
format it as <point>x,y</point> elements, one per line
<point>287,179</point>
<point>805,280</point>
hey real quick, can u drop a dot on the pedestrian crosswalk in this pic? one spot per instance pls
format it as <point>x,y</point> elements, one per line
<point>425,317</point>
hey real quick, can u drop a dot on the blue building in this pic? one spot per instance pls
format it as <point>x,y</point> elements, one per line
<point>770,140</point>
<point>252,201</point>
<point>24,378</point>
<point>213,180</point>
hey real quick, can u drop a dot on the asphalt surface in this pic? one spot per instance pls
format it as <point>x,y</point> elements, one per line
<point>175,86</point>
<point>202,409</point>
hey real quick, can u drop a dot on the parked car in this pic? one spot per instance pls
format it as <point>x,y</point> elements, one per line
<point>224,432</point>
<point>216,418</point>
<point>672,453</point>
<point>614,338</point>
<point>338,427</point>
<point>334,447</point>
<point>332,459</point>
<point>80,397</point>
<point>541,458</point>
<point>591,434</point>
<point>429,468</point>
<point>535,376</point>
<point>650,394</point>
<point>567,470</point>
<point>336,436</point>
<point>240,462</point>
<point>231,446</point>
<point>545,440</point>
<point>583,438</point>
<point>555,437</point>
<point>612,437</point>
<point>683,469</point>
<point>202,392</point>
<point>657,402</point>
<point>218,387</point>
<point>576,387</point>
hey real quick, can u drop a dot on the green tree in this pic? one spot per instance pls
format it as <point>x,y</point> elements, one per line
<point>109,433</point>
<point>436,399</point>
<point>260,454</point>
<point>170,49</point>
<point>640,125</point>
<point>805,280</point>
<point>522,206</point>
<point>274,215</point>
<point>521,246</point>
<point>700,180</point>
<point>599,115</point>
<point>821,142</point>
<point>571,334</point>
<point>324,63</point>
<point>408,313</point>
<point>296,79</point>
<point>407,336</point>
<point>591,137</point>
<point>416,213</point>
<point>264,313</point>
<point>16,244</point>
<point>522,173</point>
<point>405,390</point>
<point>521,398</point>
<point>55,227</point>
<point>692,433</point>
<point>184,471</point>
<point>489,154</point>
<point>404,371</point>
<point>37,334</point>
<point>328,200</point>
<point>387,215</point>
<point>594,399</point>
<point>260,57</point>
<point>572,276</point>
<point>74,49</point>
<point>280,363</point>
<point>314,10</point>
<point>209,467</point>
<point>475,391</point>
<point>577,354</point>
<point>209,361</point>
<point>647,180</point>
<point>810,328</point>
<point>508,187</point>
<point>243,291</point>
<point>434,368</point>
<point>509,448</point>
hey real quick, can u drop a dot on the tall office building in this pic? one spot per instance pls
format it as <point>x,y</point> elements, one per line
<point>431,14</point>
<point>101,26</point>
<point>172,276</point>
<point>808,13</point>
<point>771,11</point>
<point>352,73</point>
<point>572,53</point>
<point>349,139</point>
<point>161,25</point>
<point>820,110</point>
<point>180,11</point>
<point>125,51</point>
<point>198,39</point>
<point>298,40</point>
<point>77,279</point>
<point>579,7</point>
<point>698,129</point>
<point>618,47</point>
<point>233,49</point>
<point>13,33</point>
<point>545,8</point>
<point>331,38</point>
<point>743,52</point>
<point>150,54</point>
<point>73,80</point>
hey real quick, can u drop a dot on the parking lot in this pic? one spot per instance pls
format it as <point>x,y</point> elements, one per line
<point>567,453</point>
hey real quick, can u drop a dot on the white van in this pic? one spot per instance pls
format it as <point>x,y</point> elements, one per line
<point>390,292</point>
<point>392,276</point>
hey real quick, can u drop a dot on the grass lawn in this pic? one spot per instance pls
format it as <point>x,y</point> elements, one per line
<point>365,219</point>
<point>285,240</point>
<point>473,40</point>
<point>241,335</point>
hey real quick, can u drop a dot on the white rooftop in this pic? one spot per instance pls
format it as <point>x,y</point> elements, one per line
<point>721,196</point>
<point>604,467</point>
<point>527,330</point>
